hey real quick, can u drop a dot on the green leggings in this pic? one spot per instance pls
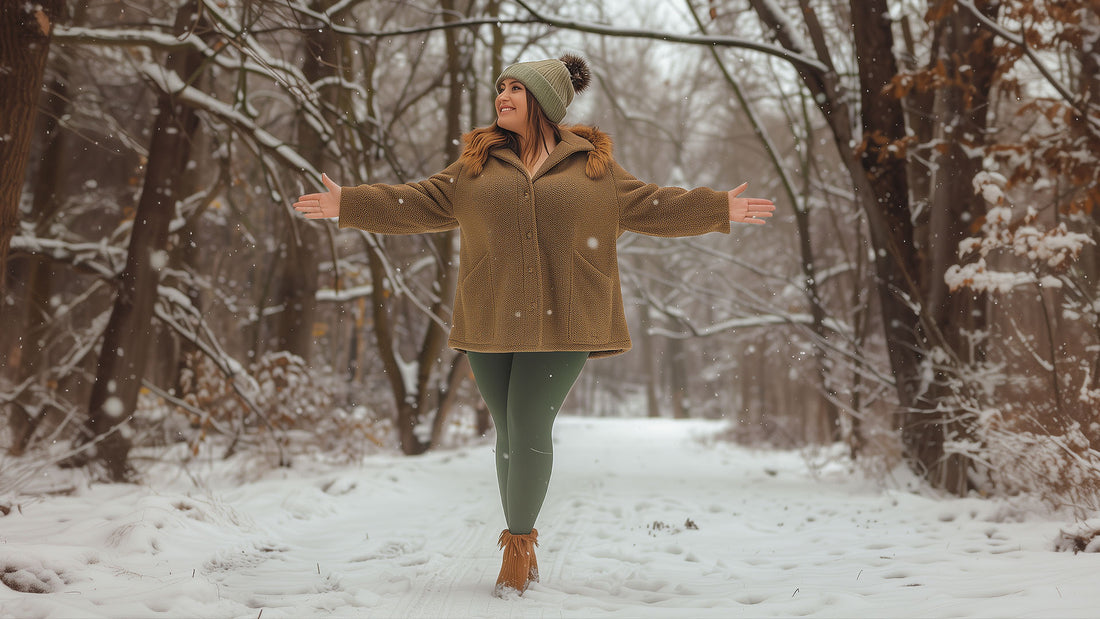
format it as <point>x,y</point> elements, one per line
<point>524,391</point>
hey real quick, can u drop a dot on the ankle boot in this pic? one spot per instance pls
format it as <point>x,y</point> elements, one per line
<point>515,570</point>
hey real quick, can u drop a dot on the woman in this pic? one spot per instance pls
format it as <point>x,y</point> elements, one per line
<point>539,207</point>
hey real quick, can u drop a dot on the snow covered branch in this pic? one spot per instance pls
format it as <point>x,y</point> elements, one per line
<point>94,258</point>
<point>753,322</point>
<point>799,60</point>
<point>1020,42</point>
<point>537,17</point>
<point>170,82</point>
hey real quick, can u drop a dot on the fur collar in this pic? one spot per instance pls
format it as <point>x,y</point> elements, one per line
<point>480,142</point>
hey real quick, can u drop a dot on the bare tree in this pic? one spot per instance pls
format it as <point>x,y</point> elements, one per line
<point>25,31</point>
<point>28,409</point>
<point>125,351</point>
<point>872,140</point>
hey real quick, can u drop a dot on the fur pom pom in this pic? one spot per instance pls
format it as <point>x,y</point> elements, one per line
<point>578,71</point>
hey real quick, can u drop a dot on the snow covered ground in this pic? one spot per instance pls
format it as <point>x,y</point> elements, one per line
<point>644,519</point>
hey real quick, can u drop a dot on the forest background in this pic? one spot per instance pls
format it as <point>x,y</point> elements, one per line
<point>925,296</point>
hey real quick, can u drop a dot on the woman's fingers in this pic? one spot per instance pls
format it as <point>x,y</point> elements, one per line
<point>310,206</point>
<point>749,210</point>
<point>309,197</point>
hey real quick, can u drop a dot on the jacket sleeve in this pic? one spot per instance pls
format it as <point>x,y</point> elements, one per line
<point>669,211</point>
<point>412,208</point>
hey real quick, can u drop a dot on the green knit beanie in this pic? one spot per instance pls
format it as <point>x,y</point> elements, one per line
<point>553,82</point>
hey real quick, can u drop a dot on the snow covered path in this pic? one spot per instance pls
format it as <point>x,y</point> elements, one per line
<point>643,520</point>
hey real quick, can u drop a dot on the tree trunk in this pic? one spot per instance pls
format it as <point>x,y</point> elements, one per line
<point>961,107</point>
<point>410,407</point>
<point>826,403</point>
<point>448,397</point>
<point>649,361</point>
<point>325,56</point>
<point>122,359</point>
<point>25,30</point>
<point>878,170</point>
<point>860,329</point>
<point>297,290</point>
<point>909,334</point>
<point>830,414</point>
<point>677,376</point>
<point>435,339</point>
<point>1088,90</point>
<point>36,271</point>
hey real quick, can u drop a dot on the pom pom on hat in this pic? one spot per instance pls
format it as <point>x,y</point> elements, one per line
<point>553,82</point>
<point>579,74</point>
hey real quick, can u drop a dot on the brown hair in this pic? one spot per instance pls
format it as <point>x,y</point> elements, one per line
<point>538,128</point>
<point>479,142</point>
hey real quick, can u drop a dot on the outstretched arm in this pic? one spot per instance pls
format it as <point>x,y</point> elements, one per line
<point>411,208</point>
<point>320,205</point>
<point>749,210</point>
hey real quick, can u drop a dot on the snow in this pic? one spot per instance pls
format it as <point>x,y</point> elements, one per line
<point>645,518</point>
<point>990,185</point>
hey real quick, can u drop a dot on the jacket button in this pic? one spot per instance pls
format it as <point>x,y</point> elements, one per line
<point>528,235</point>
<point>530,269</point>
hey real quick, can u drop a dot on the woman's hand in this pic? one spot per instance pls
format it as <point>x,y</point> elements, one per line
<point>320,205</point>
<point>749,210</point>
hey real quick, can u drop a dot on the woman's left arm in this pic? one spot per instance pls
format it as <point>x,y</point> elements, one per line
<point>672,211</point>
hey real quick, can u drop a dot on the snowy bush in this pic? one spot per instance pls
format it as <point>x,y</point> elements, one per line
<point>1056,464</point>
<point>1082,537</point>
<point>280,399</point>
<point>1034,424</point>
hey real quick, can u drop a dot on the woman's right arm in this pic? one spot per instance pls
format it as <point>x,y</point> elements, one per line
<point>412,208</point>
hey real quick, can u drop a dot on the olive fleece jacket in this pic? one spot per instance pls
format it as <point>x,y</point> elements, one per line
<point>538,268</point>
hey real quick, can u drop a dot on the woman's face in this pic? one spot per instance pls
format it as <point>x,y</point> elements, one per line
<point>512,106</point>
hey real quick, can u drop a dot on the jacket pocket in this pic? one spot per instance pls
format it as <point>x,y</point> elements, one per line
<point>474,315</point>
<point>590,299</point>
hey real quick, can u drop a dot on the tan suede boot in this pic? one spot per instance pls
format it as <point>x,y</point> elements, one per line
<point>515,570</point>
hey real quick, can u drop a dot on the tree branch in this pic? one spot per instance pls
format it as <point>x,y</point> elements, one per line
<point>1020,42</point>
<point>690,39</point>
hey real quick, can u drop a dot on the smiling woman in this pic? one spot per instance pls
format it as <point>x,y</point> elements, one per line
<point>540,206</point>
<point>518,111</point>
<point>512,106</point>
<point>533,112</point>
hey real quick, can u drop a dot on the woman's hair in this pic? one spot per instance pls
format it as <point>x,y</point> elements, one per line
<point>538,127</point>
